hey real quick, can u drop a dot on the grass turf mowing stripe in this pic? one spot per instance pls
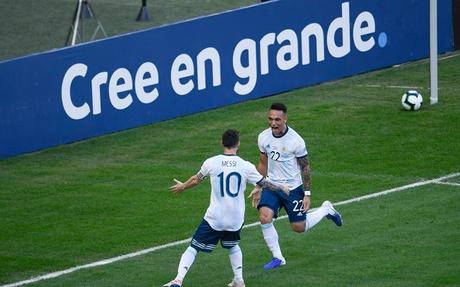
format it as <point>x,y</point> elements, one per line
<point>438,180</point>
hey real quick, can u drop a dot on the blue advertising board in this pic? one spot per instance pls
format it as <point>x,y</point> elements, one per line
<point>154,75</point>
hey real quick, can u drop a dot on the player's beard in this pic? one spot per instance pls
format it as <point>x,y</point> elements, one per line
<point>278,130</point>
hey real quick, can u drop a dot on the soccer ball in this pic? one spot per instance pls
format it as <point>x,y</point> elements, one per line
<point>412,100</point>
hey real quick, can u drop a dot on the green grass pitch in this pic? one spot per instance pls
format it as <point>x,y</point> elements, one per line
<point>108,196</point>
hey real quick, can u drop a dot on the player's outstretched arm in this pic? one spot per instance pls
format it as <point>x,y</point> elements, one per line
<point>268,184</point>
<point>181,186</point>
<point>262,166</point>
<point>273,186</point>
<point>304,164</point>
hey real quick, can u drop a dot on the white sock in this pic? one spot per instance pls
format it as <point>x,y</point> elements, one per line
<point>186,261</point>
<point>271,238</point>
<point>314,217</point>
<point>236,260</point>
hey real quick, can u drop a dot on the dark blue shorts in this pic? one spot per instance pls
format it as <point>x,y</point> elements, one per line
<point>206,238</point>
<point>293,204</point>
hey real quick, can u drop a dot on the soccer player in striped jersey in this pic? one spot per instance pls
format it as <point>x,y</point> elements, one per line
<point>284,160</point>
<point>224,217</point>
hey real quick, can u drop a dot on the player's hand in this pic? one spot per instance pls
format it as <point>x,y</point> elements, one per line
<point>255,195</point>
<point>178,187</point>
<point>306,203</point>
<point>286,189</point>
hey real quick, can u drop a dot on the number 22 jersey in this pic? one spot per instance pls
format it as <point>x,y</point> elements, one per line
<point>282,153</point>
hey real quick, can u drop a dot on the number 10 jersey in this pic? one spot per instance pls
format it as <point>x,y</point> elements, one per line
<point>229,174</point>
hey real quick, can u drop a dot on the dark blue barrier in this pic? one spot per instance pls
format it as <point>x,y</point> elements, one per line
<point>79,92</point>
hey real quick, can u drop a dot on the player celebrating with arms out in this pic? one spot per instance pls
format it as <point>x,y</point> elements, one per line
<point>284,159</point>
<point>225,215</point>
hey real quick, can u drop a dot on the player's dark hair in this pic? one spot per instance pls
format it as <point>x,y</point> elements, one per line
<point>230,138</point>
<point>279,107</point>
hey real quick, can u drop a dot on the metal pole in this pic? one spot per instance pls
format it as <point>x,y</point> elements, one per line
<point>75,25</point>
<point>143,14</point>
<point>434,51</point>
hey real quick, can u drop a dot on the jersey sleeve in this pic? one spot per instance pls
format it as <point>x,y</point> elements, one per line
<point>300,149</point>
<point>252,175</point>
<point>205,168</point>
<point>261,144</point>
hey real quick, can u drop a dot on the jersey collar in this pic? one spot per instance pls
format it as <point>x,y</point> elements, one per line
<point>280,136</point>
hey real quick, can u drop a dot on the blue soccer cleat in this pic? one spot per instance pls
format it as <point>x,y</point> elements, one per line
<point>333,215</point>
<point>274,263</point>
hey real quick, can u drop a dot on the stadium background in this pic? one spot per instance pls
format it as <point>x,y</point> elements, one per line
<point>123,82</point>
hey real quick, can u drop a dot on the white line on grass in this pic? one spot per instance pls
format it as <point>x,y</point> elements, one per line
<point>408,87</point>
<point>440,58</point>
<point>159,247</point>
<point>401,188</point>
<point>449,183</point>
<point>448,57</point>
<point>391,87</point>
